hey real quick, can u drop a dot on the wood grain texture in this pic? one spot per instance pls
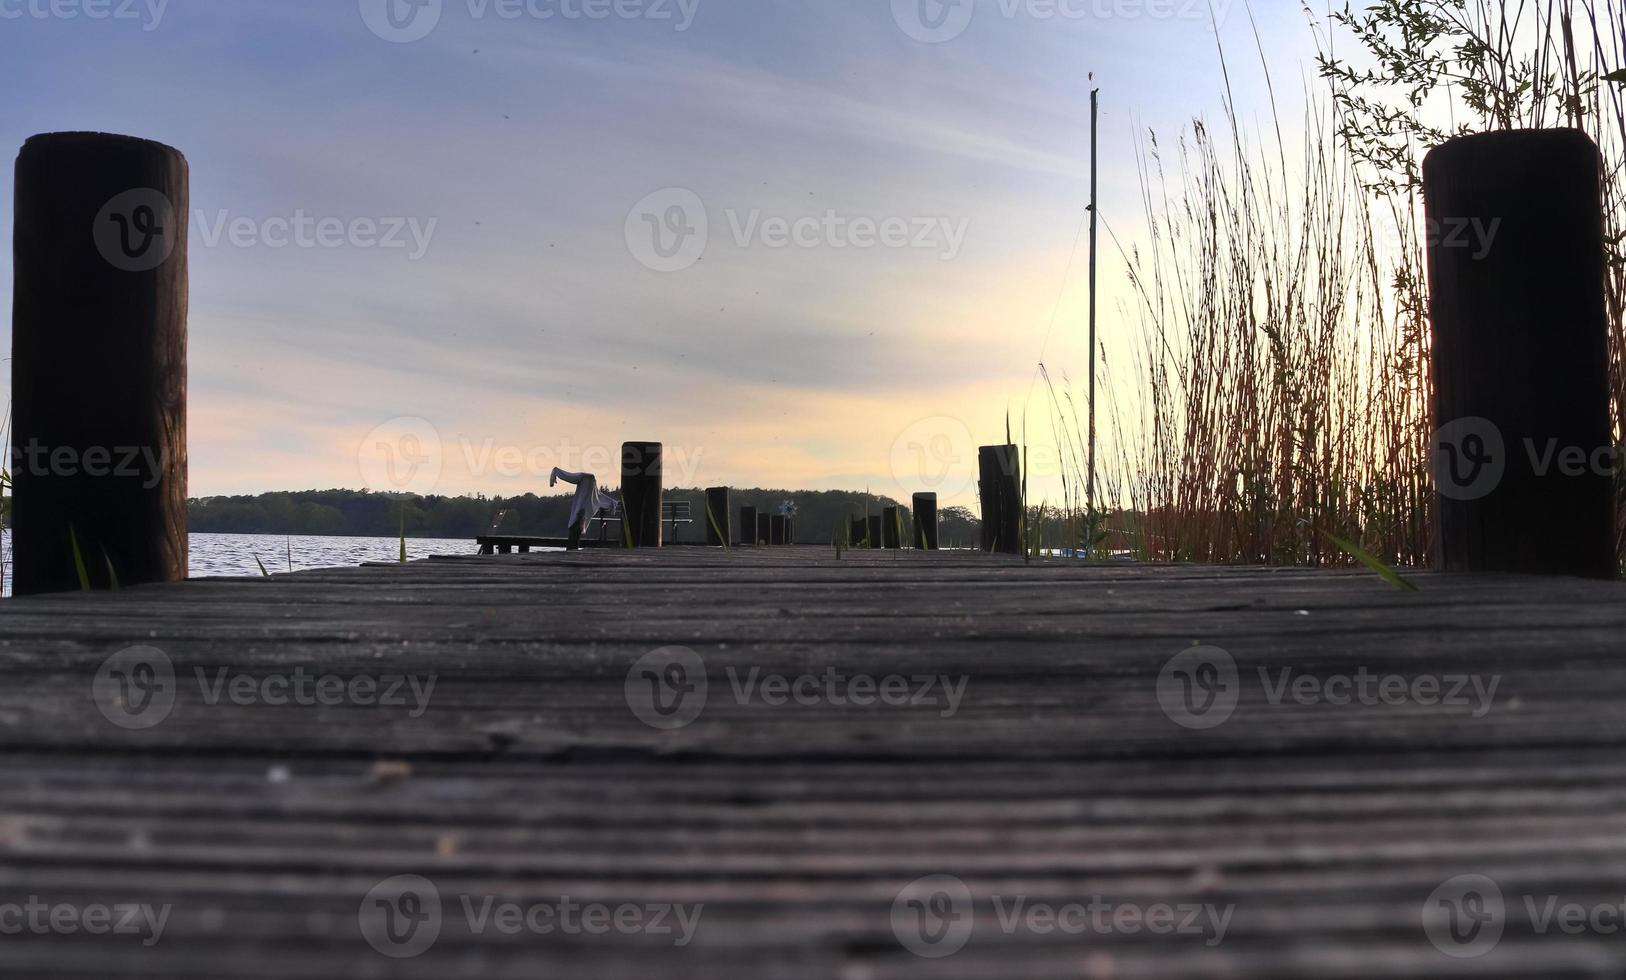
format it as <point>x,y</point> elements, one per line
<point>99,362</point>
<point>1059,778</point>
<point>1520,355</point>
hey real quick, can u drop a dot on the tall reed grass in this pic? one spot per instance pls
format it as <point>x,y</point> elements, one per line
<point>1272,404</point>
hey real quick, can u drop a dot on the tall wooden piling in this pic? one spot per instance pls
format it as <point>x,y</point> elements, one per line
<point>926,521</point>
<point>1000,487</point>
<point>876,534</point>
<point>719,518</point>
<point>764,528</point>
<point>748,526</point>
<point>641,492</point>
<point>776,532</point>
<point>860,533</point>
<point>1523,455</point>
<point>891,528</point>
<point>98,365</point>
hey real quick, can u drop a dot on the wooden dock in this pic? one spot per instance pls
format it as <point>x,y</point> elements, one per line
<point>1299,838</point>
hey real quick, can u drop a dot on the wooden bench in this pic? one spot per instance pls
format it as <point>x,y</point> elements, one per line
<point>493,542</point>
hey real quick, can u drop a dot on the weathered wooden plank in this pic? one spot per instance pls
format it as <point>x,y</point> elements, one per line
<point>1060,777</point>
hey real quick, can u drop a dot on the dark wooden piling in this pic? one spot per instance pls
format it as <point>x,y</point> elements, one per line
<point>1523,455</point>
<point>926,521</point>
<point>790,530</point>
<point>764,528</point>
<point>98,366</point>
<point>891,529</point>
<point>1000,487</point>
<point>776,531</point>
<point>874,530</point>
<point>719,517</point>
<point>859,534</point>
<point>748,526</point>
<point>641,492</point>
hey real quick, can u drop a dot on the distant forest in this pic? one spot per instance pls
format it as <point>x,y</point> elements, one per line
<point>363,514</point>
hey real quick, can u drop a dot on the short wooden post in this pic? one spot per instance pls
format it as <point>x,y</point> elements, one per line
<point>926,521</point>
<point>719,518</point>
<point>748,526</point>
<point>877,538</point>
<point>777,530</point>
<point>1523,455</point>
<point>1000,486</point>
<point>790,530</point>
<point>891,539</point>
<point>860,533</point>
<point>642,493</point>
<point>98,371</point>
<point>764,528</point>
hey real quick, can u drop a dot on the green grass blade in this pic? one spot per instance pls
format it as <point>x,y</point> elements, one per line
<point>715,528</point>
<point>1378,568</point>
<point>78,560</point>
<point>112,576</point>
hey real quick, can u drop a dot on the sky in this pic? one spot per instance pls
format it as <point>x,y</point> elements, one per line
<point>445,245</point>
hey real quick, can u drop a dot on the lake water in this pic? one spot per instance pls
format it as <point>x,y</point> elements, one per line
<point>228,555</point>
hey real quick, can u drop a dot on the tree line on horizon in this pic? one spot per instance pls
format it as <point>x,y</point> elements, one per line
<point>360,513</point>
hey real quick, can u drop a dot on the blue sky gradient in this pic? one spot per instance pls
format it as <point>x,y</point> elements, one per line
<point>522,144</point>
